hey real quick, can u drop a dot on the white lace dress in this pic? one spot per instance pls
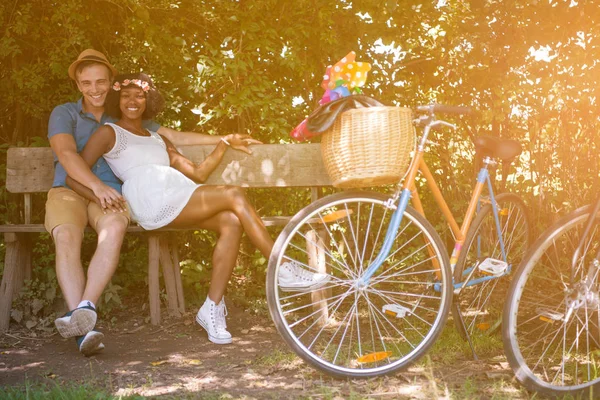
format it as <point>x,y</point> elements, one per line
<point>155,192</point>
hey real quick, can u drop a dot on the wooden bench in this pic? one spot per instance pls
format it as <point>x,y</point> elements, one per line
<point>31,170</point>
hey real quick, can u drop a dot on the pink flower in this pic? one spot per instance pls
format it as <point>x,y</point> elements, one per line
<point>145,86</point>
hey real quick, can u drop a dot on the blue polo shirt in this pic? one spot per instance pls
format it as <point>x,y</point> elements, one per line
<point>70,118</point>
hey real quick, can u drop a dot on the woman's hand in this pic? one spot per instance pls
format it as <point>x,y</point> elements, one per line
<point>239,141</point>
<point>109,198</point>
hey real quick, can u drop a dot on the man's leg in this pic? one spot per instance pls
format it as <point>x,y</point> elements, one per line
<point>66,218</point>
<point>111,230</point>
<point>69,271</point>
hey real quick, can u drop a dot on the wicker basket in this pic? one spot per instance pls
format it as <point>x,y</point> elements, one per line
<point>368,146</point>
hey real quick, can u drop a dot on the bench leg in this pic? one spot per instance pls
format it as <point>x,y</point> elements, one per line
<point>315,246</point>
<point>178,284</point>
<point>23,272</point>
<point>17,267</point>
<point>153,284</point>
<point>169,277</point>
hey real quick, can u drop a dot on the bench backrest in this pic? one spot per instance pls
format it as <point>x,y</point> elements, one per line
<point>31,169</point>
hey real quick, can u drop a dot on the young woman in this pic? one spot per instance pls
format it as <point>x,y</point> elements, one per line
<point>159,184</point>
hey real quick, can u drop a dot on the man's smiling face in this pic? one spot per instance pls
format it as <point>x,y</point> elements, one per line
<point>94,83</point>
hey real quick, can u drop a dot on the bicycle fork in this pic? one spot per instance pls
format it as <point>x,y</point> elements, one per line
<point>390,235</point>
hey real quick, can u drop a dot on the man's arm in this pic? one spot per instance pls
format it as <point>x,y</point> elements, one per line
<point>101,142</point>
<point>81,190</point>
<point>65,148</point>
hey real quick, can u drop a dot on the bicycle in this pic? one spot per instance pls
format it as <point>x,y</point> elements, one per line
<point>551,320</point>
<point>391,285</point>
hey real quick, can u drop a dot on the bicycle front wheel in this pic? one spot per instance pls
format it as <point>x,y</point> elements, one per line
<point>481,270</point>
<point>550,324</point>
<point>350,330</point>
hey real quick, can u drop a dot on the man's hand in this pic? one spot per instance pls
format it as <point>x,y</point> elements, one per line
<point>109,198</point>
<point>239,141</point>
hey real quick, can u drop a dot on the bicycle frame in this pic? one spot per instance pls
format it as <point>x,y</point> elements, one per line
<point>408,190</point>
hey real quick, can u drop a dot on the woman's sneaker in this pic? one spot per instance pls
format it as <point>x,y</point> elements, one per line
<point>77,322</point>
<point>90,343</point>
<point>211,317</point>
<point>294,278</point>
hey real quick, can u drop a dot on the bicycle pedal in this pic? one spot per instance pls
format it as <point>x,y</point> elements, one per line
<point>396,310</point>
<point>493,267</point>
<point>549,316</point>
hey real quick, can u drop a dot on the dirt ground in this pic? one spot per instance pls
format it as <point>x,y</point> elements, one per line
<point>177,360</point>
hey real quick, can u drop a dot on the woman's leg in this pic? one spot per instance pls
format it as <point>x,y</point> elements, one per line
<point>207,201</point>
<point>229,233</point>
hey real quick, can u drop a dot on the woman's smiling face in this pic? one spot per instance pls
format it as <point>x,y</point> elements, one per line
<point>132,101</point>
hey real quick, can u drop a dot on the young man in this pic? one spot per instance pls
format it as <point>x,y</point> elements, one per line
<point>68,213</point>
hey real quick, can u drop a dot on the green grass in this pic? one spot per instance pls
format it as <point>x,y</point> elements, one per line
<point>276,357</point>
<point>449,347</point>
<point>71,391</point>
<point>41,391</point>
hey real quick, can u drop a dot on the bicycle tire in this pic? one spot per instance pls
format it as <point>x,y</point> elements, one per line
<point>481,304</point>
<point>536,327</point>
<point>347,230</point>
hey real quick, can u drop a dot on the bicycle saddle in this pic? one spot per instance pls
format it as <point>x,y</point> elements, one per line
<point>504,149</point>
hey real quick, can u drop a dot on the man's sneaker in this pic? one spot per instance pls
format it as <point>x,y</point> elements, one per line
<point>90,343</point>
<point>211,317</point>
<point>77,322</point>
<point>294,278</point>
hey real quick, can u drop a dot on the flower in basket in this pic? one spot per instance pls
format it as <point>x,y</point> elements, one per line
<point>342,79</point>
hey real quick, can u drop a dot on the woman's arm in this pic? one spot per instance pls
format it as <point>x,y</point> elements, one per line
<point>187,138</point>
<point>192,138</point>
<point>99,143</point>
<point>82,190</point>
<point>201,172</point>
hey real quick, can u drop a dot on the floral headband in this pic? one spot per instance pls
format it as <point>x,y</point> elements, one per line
<point>145,86</point>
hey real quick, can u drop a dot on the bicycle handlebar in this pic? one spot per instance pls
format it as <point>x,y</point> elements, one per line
<point>441,108</point>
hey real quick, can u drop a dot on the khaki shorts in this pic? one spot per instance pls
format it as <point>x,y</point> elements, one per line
<point>64,206</point>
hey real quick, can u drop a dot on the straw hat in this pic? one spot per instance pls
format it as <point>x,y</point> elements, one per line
<point>90,55</point>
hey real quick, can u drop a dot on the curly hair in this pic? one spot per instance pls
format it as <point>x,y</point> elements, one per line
<point>155,103</point>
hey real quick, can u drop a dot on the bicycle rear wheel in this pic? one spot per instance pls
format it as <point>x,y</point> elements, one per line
<point>482,299</point>
<point>350,331</point>
<point>550,324</point>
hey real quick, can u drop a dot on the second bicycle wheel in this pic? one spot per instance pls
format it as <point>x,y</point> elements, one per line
<point>551,318</point>
<point>481,267</point>
<point>339,326</point>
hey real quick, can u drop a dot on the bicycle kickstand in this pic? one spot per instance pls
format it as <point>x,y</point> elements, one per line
<point>463,326</point>
<point>468,336</point>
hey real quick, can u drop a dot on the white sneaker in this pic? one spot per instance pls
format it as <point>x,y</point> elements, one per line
<point>77,322</point>
<point>90,343</point>
<point>211,317</point>
<point>294,278</point>
<point>221,314</point>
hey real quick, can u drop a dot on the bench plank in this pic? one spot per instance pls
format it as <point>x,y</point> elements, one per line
<point>38,228</point>
<point>31,170</point>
